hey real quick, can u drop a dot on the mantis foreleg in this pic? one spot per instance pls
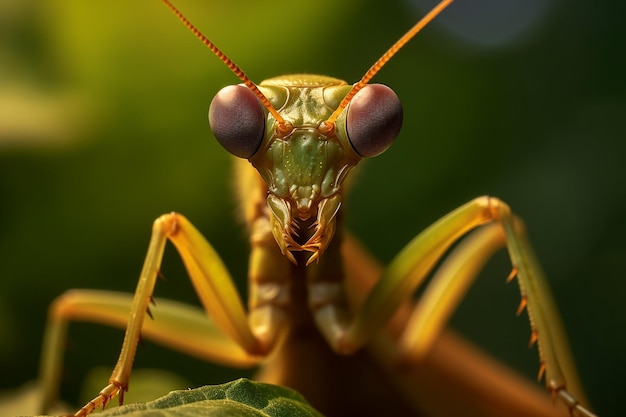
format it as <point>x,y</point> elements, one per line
<point>251,338</point>
<point>178,326</point>
<point>408,270</point>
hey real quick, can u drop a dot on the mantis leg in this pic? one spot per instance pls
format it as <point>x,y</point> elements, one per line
<point>409,269</point>
<point>479,385</point>
<point>442,296</point>
<point>178,326</point>
<point>214,287</point>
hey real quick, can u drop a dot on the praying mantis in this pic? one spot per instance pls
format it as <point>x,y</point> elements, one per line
<point>283,252</point>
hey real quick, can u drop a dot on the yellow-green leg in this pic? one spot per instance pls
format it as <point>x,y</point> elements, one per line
<point>413,264</point>
<point>178,326</point>
<point>228,338</point>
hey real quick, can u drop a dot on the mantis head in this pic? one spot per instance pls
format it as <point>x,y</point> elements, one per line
<point>302,161</point>
<point>304,133</point>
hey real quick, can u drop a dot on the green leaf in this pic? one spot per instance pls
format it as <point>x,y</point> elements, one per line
<point>241,397</point>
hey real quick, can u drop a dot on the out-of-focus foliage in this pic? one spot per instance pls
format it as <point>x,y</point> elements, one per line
<point>103,127</point>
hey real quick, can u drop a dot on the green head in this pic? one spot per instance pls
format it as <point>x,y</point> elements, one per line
<point>303,159</point>
<point>304,133</point>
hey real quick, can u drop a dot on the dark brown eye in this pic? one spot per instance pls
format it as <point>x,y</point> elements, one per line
<point>374,119</point>
<point>237,120</point>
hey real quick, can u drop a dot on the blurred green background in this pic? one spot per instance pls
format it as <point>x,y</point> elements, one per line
<point>103,128</point>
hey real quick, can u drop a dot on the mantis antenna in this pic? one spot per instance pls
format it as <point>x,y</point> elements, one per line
<point>282,124</point>
<point>328,125</point>
<point>384,59</point>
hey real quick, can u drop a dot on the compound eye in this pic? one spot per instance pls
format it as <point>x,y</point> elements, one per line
<point>374,119</point>
<point>237,120</point>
